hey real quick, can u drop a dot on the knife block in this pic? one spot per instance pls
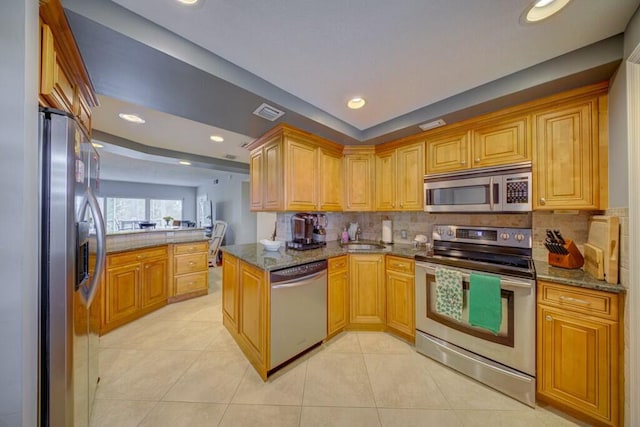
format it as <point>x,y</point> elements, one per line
<point>573,259</point>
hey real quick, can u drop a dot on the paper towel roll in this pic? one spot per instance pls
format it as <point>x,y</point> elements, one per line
<point>387,232</point>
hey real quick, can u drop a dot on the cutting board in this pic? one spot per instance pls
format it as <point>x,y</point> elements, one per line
<point>604,234</point>
<point>594,261</point>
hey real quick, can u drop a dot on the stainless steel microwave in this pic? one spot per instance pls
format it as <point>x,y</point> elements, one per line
<point>503,189</point>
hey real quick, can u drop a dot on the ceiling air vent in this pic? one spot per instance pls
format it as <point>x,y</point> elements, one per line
<point>230,156</point>
<point>268,112</point>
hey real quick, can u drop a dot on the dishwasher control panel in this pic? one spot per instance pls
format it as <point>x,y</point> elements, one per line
<point>298,271</point>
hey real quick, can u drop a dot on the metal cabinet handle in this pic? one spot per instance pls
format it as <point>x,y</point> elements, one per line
<point>576,300</point>
<point>548,318</point>
<point>192,263</point>
<point>542,201</point>
<point>146,266</point>
<point>477,159</point>
<point>463,162</point>
<point>402,205</point>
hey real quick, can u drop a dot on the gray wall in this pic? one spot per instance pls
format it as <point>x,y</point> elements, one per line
<point>19,241</point>
<point>153,191</point>
<point>618,139</point>
<point>230,198</point>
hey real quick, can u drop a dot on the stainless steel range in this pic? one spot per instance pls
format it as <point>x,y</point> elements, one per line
<point>504,360</point>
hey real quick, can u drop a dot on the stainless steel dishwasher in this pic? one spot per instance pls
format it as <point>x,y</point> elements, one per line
<point>298,310</point>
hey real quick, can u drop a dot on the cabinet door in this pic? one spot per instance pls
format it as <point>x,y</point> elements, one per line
<point>230,284</point>
<point>575,361</point>
<point>301,175</point>
<point>566,159</point>
<point>410,175</point>
<point>359,178</point>
<point>447,153</point>
<point>385,182</point>
<point>254,311</point>
<point>154,282</point>
<point>501,143</point>
<point>56,84</point>
<point>123,292</point>
<point>256,179</point>
<point>330,181</point>
<point>366,280</point>
<point>337,295</point>
<point>272,176</point>
<point>400,303</point>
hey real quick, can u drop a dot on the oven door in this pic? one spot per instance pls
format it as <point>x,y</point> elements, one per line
<point>513,346</point>
<point>480,194</point>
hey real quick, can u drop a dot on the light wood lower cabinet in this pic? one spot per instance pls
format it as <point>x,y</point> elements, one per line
<point>337,295</point>
<point>580,352</point>
<point>135,284</point>
<point>367,290</point>
<point>190,270</point>
<point>230,295</point>
<point>401,296</point>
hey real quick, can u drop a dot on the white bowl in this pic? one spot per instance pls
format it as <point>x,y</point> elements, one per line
<point>271,245</point>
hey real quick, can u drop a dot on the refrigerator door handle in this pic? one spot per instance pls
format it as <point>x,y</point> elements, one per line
<point>90,200</point>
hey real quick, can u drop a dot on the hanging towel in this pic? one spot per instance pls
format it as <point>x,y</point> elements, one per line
<point>449,293</point>
<point>485,304</point>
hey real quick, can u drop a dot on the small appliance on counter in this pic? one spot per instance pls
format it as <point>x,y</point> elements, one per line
<point>302,232</point>
<point>320,229</point>
<point>562,252</point>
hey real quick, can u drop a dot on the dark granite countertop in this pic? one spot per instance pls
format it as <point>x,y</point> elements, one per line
<point>573,277</point>
<point>255,254</point>
<point>125,245</point>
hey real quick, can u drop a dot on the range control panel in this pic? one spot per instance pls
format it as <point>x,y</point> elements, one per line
<point>497,236</point>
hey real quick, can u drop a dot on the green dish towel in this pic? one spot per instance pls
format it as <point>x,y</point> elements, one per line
<point>449,293</point>
<point>485,303</point>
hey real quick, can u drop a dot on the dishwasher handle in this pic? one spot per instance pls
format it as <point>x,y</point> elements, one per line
<point>299,281</point>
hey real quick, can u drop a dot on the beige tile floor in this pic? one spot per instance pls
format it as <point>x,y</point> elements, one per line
<point>180,367</point>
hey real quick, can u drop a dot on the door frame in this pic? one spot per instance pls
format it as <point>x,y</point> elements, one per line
<point>633,150</point>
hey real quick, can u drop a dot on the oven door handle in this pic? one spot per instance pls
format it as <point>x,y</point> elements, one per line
<point>504,283</point>
<point>491,194</point>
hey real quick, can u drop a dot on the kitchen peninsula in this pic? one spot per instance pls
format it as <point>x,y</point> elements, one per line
<point>147,269</point>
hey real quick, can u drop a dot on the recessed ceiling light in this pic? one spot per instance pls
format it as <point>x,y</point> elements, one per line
<point>355,103</point>
<point>216,138</point>
<point>133,118</point>
<point>542,9</point>
<point>95,144</point>
<point>184,162</point>
<point>188,2</point>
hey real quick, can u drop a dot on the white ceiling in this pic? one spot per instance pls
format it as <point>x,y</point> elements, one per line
<point>400,55</point>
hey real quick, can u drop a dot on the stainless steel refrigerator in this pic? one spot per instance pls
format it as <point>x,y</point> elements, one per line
<point>71,263</point>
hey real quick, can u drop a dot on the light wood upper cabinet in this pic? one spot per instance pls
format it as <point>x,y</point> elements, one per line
<point>579,351</point>
<point>337,295</point>
<point>386,181</point>
<point>331,177</point>
<point>367,299</point>
<point>448,152</point>
<point>477,144</point>
<point>301,175</point>
<point>566,161</point>
<point>504,142</point>
<point>64,81</point>
<point>294,171</point>
<point>399,176</point>
<point>359,176</point>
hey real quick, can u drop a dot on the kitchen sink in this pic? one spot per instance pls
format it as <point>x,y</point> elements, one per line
<point>362,246</point>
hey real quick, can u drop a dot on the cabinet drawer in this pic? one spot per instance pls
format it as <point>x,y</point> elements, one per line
<point>401,265</point>
<point>133,257</point>
<point>190,263</point>
<point>337,264</point>
<point>190,248</point>
<point>587,301</point>
<point>191,283</point>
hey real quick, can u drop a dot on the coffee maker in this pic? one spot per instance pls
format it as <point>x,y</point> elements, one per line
<point>303,226</point>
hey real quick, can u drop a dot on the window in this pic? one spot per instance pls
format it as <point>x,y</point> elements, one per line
<point>124,214</point>
<point>162,208</point>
